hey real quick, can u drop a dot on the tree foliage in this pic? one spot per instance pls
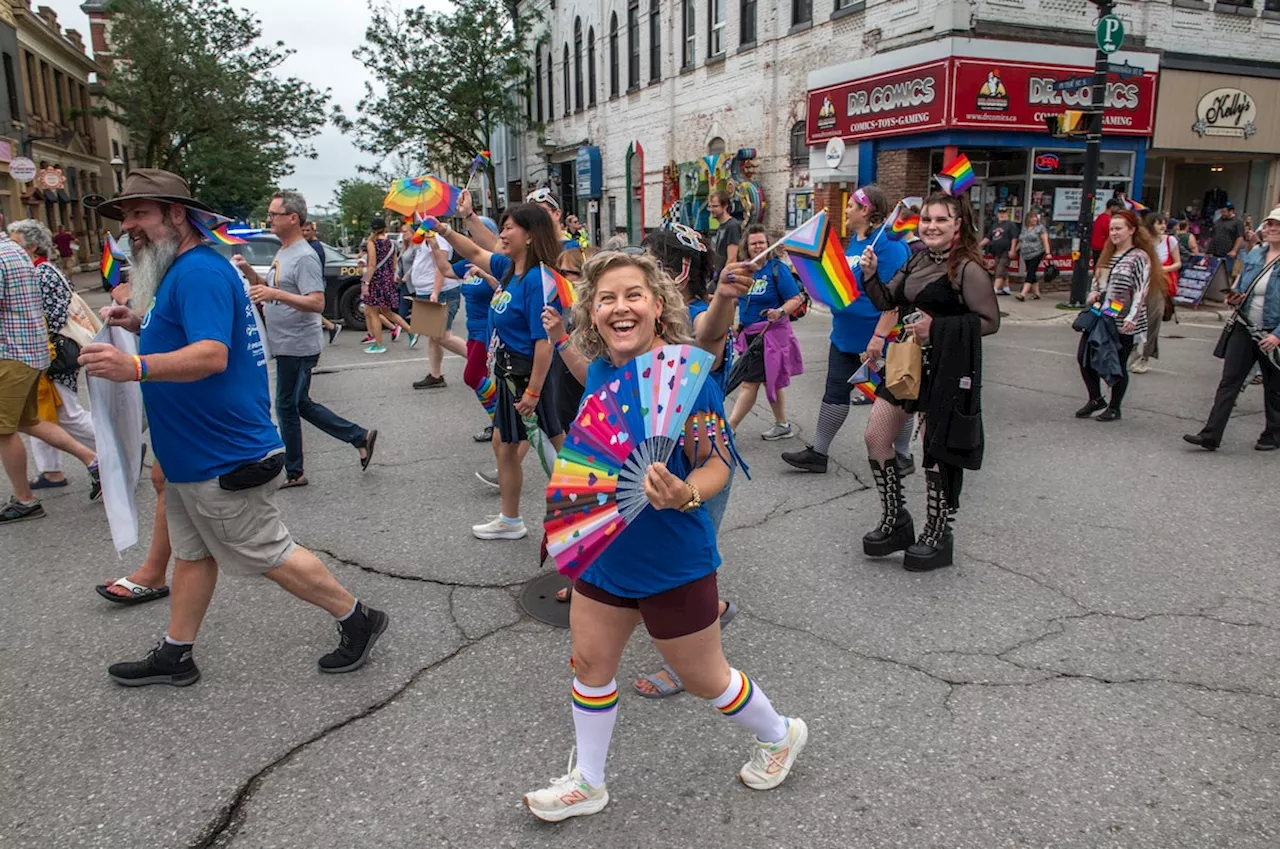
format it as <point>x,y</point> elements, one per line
<point>358,201</point>
<point>443,82</point>
<point>200,96</point>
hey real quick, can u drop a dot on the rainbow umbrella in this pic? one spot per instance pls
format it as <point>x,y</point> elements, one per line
<point>422,195</point>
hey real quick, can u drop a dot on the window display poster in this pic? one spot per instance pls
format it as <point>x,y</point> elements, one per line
<point>1066,204</point>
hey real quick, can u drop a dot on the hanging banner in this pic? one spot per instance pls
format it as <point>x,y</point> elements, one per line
<point>910,100</point>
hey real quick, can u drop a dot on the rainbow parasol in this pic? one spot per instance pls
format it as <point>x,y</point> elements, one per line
<point>635,420</point>
<point>422,196</point>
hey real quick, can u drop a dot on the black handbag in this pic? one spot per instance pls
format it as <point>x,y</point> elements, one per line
<point>509,363</point>
<point>1087,318</point>
<point>66,357</point>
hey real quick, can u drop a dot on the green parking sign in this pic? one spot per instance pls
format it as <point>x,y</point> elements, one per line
<point>1110,33</point>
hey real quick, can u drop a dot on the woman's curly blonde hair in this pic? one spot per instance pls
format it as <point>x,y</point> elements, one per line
<point>676,327</point>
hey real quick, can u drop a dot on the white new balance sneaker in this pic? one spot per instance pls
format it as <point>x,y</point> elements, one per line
<point>568,796</point>
<point>770,763</point>
<point>500,528</point>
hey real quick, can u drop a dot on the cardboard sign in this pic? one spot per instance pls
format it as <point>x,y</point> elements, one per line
<point>428,318</point>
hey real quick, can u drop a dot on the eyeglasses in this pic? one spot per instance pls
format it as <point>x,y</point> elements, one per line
<point>271,214</point>
<point>542,195</point>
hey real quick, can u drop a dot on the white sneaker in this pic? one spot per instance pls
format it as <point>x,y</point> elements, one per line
<point>489,478</point>
<point>770,763</point>
<point>568,796</point>
<point>1140,367</point>
<point>778,431</point>
<point>500,528</point>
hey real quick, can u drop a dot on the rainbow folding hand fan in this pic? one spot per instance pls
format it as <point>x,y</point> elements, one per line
<point>597,484</point>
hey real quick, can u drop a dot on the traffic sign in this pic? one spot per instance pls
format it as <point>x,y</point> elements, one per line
<point>1125,71</point>
<point>1073,84</point>
<point>1110,33</point>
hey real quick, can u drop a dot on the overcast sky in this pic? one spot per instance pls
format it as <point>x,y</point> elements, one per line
<point>323,33</point>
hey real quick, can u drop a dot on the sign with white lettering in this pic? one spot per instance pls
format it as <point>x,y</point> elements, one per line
<point>1226,112</point>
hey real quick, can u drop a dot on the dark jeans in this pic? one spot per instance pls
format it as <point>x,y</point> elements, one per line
<point>293,403</point>
<point>1094,383</point>
<point>1237,361</point>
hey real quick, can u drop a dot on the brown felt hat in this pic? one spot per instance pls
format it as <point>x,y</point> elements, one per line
<point>150,184</point>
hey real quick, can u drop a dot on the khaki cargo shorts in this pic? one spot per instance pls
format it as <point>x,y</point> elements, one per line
<point>18,396</point>
<point>242,530</point>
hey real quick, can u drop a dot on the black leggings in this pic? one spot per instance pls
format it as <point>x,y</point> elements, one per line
<point>1093,382</point>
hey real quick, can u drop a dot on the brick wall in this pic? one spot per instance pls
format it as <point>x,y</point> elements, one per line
<point>903,173</point>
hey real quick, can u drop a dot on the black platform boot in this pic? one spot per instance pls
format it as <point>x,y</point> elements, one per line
<point>895,531</point>
<point>934,548</point>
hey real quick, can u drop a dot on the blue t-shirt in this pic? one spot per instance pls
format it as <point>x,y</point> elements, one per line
<point>721,373</point>
<point>477,294</point>
<point>661,549</point>
<point>851,327</point>
<point>774,286</point>
<point>207,428</point>
<point>516,313</point>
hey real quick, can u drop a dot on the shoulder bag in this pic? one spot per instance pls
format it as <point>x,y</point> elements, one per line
<point>1257,334</point>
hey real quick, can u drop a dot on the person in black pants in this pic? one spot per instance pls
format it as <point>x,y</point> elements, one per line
<point>1256,295</point>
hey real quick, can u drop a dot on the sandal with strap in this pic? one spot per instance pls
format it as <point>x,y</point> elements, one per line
<point>676,686</point>
<point>139,593</point>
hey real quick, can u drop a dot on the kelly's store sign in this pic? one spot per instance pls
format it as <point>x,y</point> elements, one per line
<point>973,94</point>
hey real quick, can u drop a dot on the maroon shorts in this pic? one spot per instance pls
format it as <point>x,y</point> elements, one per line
<point>675,613</point>
<point>477,367</point>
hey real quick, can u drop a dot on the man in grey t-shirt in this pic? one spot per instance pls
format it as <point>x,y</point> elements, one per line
<point>292,298</point>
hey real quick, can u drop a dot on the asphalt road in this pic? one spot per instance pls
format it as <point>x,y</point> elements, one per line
<point>1098,670</point>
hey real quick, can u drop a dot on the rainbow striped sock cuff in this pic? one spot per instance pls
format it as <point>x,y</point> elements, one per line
<point>742,690</point>
<point>595,699</point>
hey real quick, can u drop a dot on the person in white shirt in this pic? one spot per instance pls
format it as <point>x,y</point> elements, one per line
<point>430,283</point>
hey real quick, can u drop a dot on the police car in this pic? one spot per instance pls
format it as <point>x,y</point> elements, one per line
<point>341,272</point>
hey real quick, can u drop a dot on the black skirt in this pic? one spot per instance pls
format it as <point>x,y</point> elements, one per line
<point>510,425</point>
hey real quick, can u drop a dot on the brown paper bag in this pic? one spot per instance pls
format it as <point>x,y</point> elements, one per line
<point>903,367</point>
<point>428,319</point>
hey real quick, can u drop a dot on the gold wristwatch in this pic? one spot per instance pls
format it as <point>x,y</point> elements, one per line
<point>695,499</point>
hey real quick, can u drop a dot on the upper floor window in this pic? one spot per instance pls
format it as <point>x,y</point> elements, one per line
<point>799,150</point>
<point>715,27</point>
<point>566,80</point>
<point>801,12</point>
<point>655,42</point>
<point>537,85</point>
<point>591,66</point>
<point>633,44</point>
<point>690,27</point>
<point>613,55</point>
<point>577,64</point>
<point>747,31</point>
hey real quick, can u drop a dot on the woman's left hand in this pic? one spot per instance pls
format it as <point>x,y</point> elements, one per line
<point>526,405</point>
<point>1269,343</point>
<point>773,315</point>
<point>920,327</point>
<point>1128,327</point>
<point>553,323</point>
<point>664,490</point>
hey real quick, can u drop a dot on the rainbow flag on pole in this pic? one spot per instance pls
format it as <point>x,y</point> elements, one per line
<point>213,227</point>
<point>815,253</point>
<point>557,288</point>
<point>901,223</point>
<point>958,177</point>
<point>112,256</point>
<point>482,160</point>
<point>1133,206</point>
<point>866,380</point>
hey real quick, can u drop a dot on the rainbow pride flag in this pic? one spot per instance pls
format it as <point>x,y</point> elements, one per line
<point>487,392</point>
<point>1133,206</point>
<point>816,256</point>
<point>1113,308</point>
<point>866,380</point>
<point>958,177</point>
<point>482,160</point>
<point>213,227</point>
<point>901,223</point>
<point>112,256</point>
<point>557,288</point>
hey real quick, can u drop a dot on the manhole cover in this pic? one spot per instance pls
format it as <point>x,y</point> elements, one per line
<point>539,599</point>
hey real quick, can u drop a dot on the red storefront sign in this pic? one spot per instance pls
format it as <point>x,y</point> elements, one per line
<point>987,94</point>
<point>904,101</point>
<point>991,94</point>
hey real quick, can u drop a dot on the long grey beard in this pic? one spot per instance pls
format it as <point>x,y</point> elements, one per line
<point>150,262</point>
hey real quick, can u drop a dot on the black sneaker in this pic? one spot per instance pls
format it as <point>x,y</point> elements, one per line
<point>1093,406</point>
<point>1201,440</point>
<point>430,382</point>
<point>906,464</point>
<point>95,483</point>
<point>807,460</point>
<point>1266,443</point>
<point>485,435</point>
<point>164,664</point>
<point>357,636</point>
<point>16,511</point>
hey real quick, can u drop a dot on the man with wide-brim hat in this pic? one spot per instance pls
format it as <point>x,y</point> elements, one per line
<point>204,382</point>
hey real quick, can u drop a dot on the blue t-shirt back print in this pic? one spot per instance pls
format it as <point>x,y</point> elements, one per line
<point>774,285</point>
<point>516,311</point>
<point>207,428</point>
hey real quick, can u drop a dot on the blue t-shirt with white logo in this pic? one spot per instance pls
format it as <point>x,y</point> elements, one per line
<point>774,285</point>
<point>516,312</point>
<point>477,294</point>
<point>209,427</point>
<point>851,327</point>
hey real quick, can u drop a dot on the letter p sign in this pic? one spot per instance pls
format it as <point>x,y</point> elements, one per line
<point>1110,33</point>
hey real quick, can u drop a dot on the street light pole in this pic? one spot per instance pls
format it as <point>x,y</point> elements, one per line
<point>1092,157</point>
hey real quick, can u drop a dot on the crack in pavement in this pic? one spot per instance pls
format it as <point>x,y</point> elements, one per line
<point>776,512</point>
<point>439,582</point>
<point>1038,581</point>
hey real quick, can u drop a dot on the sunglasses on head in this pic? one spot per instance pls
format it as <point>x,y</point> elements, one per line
<point>542,195</point>
<point>688,236</point>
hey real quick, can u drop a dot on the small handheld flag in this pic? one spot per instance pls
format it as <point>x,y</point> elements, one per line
<point>557,288</point>
<point>482,160</point>
<point>904,222</point>
<point>112,256</point>
<point>816,256</point>
<point>1133,206</point>
<point>958,177</point>
<point>213,227</point>
<point>866,380</point>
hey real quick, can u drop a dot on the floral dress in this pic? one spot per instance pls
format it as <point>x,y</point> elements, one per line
<point>55,298</point>
<point>384,291</point>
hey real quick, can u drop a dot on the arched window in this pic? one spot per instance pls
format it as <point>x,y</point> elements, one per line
<point>655,42</point>
<point>799,150</point>
<point>551,90</point>
<point>577,64</point>
<point>613,55</point>
<point>633,44</point>
<point>591,66</point>
<point>715,147</point>
<point>537,83</point>
<point>567,105</point>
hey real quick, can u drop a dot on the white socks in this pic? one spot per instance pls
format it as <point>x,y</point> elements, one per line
<point>748,706</point>
<point>595,710</point>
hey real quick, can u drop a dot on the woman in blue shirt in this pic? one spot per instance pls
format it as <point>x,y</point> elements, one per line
<point>522,354</point>
<point>662,568</point>
<point>853,326</point>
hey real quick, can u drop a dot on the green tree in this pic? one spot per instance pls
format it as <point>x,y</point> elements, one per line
<point>358,201</point>
<point>200,96</point>
<point>442,82</point>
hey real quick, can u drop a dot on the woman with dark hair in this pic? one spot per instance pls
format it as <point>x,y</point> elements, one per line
<point>945,301</point>
<point>852,328</point>
<point>522,353</point>
<point>378,288</point>
<point>1170,256</point>
<point>1128,284</point>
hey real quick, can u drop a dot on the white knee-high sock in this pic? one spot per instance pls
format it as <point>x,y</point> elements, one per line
<point>595,710</point>
<point>747,705</point>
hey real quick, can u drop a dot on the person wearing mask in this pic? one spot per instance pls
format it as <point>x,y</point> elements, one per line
<point>1226,238</point>
<point>1033,247</point>
<point>858,328</point>
<point>1002,244</point>
<point>1170,256</point>
<point>1250,341</point>
<point>378,288</point>
<point>727,238</point>
<point>766,310</point>
<point>1128,285</point>
<point>292,296</point>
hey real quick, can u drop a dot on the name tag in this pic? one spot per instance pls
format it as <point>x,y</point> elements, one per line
<point>966,383</point>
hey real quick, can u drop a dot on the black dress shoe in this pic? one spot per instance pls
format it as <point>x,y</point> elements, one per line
<point>1093,406</point>
<point>807,460</point>
<point>1198,440</point>
<point>1110,414</point>
<point>1266,443</point>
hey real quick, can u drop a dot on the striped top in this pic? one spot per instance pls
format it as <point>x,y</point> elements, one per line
<point>1127,278</point>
